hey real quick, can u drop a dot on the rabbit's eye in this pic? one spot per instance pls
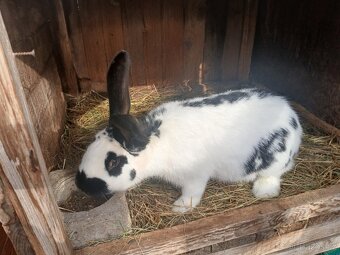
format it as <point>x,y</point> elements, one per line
<point>113,163</point>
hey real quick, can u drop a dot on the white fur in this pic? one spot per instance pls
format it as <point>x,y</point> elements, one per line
<point>201,143</point>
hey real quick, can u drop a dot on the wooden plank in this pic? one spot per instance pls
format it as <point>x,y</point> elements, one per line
<point>303,241</point>
<point>23,170</point>
<point>12,225</point>
<point>31,66</point>
<point>194,32</point>
<point>133,27</point>
<point>214,39</point>
<point>48,110</point>
<point>73,22</point>
<point>316,247</point>
<point>69,76</point>
<point>42,84</point>
<point>3,237</point>
<point>248,35</point>
<point>112,28</point>
<point>274,214</point>
<point>15,13</point>
<point>233,39</point>
<point>153,41</point>
<point>239,39</point>
<point>91,25</point>
<point>316,121</point>
<point>173,35</point>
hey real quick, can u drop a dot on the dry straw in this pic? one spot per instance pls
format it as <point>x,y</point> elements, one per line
<point>317,165</point>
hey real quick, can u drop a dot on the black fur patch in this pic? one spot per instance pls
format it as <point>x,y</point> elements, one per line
<point>218,99</point>
<point>134,133</point>
<point>114,132</point>
<point>152,123</point>
<point>159,111</point>
<point>91,186</point>
<point>132,174</point>
<point>264,154</point>
<point>293,123</point>
<point>262,93</point>
<point>114,163</point>
<point>129,131</point>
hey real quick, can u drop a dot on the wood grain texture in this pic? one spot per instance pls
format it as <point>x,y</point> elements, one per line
<point>237,223</point>
<point>12,226</point>
<point>111,12</point>
<point>239,39</point>
<point>316,121</point>
<point>153,41</point>
<point>23,170</point>
<point>248,35</point>
<point>317,247</point>
<point>91,26</point>
<point>38,74</point>
<point>233,39</point>
<point>72,18</point>
<point>133,26</point>
<point>68,74</point>
<point>173,34</point>
<point>194,34</point>
<point>214,39</point>
<point>295,41</point>
<point>310,240</point>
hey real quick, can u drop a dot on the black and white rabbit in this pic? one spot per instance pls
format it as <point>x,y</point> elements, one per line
<point>236,136</point>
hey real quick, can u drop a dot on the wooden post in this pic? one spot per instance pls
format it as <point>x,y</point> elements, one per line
<point>69,75</point>
<point>23,171</point>
<point>312,216</point>
<point>239,39</point>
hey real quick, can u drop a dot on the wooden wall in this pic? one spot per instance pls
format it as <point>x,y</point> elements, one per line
<point>170,42</point>
<point>297,52</point>
<point>28,25</point>
<point>6,246</point>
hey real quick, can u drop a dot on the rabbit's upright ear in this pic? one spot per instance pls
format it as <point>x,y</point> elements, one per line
<point>118,84</point>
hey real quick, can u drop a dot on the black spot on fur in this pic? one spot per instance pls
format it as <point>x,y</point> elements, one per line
<point>114,163</point>
<point>91,186</point>
<point>132,174</point>
<point>293,123</point>
<point>153,123</point>
<point>264,154</point>
<point>152,126</point>
<point>218,99</point>
<point>289,160</point>
<point>157,112</point>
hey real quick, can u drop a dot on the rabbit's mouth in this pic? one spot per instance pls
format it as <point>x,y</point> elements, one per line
<point>91,186</point>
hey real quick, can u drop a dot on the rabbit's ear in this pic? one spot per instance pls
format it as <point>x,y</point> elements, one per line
<point>118,84</point>
<point>129,131</point>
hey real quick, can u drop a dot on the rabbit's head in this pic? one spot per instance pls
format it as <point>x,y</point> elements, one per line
<point>107,165</point>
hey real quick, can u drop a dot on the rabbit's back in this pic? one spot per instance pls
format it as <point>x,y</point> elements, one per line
<point>230,136</point>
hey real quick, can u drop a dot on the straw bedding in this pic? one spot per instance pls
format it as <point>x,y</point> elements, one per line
<point>317,165</point>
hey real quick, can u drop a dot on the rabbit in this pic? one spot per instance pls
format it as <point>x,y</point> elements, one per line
<point>247,135</point>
